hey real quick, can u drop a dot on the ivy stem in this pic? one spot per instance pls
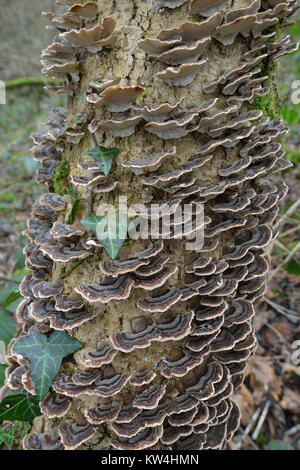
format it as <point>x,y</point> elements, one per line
<point>6,279</point>
<point>91,202</point>
<point>94,140</point>
<point>75,266</point>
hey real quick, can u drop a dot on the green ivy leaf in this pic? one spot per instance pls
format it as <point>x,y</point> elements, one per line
<point>19,407</point>
<point>12,297</point>
<point>103,157</point>
<point>3,367</point>
<point>45,356</point>
<point>76,205</point>
<point>279,445</point>
<point>111,231</point>
<point>292,267</point>
<point>91,221</point>
<point>8,327</point>
<point>67,127</point>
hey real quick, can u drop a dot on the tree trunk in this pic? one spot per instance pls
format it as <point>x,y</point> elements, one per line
<point>167,382</point>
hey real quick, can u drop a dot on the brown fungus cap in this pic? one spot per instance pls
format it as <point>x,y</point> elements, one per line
<point>73,435</point>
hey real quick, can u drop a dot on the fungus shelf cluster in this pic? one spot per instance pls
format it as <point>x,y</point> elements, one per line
<point>192,317</point>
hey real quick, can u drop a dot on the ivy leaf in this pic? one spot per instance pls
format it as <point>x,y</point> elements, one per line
<point>45,356</point>
<point>67,127</point>
<point>292,267</point>
<point>111,231</point>
<point>8,327</point>
<point>279,445</point>
<point>91,221</point>
<point>76,205</point>
<point>103,157</point>
<point>12,297</point>
<point>3,367</point>
<point>19,407</point>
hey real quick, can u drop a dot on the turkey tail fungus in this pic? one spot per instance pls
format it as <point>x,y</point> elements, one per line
<point>165,106</point>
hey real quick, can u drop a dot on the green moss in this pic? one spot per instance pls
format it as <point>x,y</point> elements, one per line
<point>270,104</point>
<point>197,18</point>
<point>61,179</point>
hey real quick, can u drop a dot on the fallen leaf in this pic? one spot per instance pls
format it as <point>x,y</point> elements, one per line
<point>244,399</point>
<point>291,401</point>
<point>261,318</point>
<point>284,331</point>
<point>262,376</point>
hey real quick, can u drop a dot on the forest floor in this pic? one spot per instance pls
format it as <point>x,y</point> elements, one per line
<point>270,397</point>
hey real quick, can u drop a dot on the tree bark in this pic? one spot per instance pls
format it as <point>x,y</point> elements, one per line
<point>136,21</point>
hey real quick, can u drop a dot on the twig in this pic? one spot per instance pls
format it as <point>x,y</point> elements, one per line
<point>280,245</point>
<point>91,202</point>
<point>261,420</point>
<point>248,438</point>
<point>288,232</point>
<point>285,261</point>
<point>293,430</point>
<point>67,273</point>
<point>6,279</point>
<point>289,212</point>
<point>277,333</point>
<point>25,81</point>
<point>252,421</point>
<point>94,139</point>
<point>281,309</point>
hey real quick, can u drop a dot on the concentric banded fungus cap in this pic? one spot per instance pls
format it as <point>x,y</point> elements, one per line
<point>146,419</point>
<point>44,441</point>
<point>73,435</point>
<point>235,14</point>
<point>122,127</point>
<point>227,32</point>
<point>103,413</point>
<point>70,320</point>
<point>206,7</point>
<point>152,250</point>
<point>170,3</point>
<point>44,289</point>
<point>68,302</point>
<point>42,309</point>
<point>191,31</point>
<point>185,54</point>
<point>110,385</point>
<point>142,440</point>
<point>150,397</point>
<point>182,75</point>
<point>102,84</point>
<point>148,164</point>
<point>118,98</point>
<point>55,406</point>
<point>110,289</point>
<point>104,354</point>
<point>179,362</point>
<point>160,302</point>
<point>143,377</point>
<point>94,39</point>
<point>88,10</point>
<point>86,377</point>
<point>64,254</point>
<point>204,386</point>
<point>141,337</point>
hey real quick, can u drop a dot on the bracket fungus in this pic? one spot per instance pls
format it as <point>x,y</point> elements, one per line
<point>167,328</point>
